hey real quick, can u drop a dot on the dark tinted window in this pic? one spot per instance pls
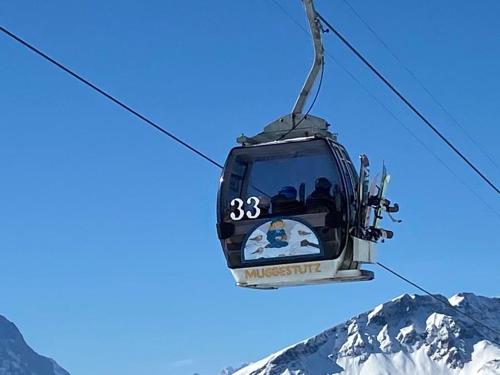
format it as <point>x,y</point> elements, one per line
<point>284,177</point>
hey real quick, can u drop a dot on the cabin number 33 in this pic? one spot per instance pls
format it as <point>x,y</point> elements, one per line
<point>240,212</point>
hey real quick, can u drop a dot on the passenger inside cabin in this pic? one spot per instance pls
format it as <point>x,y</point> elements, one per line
<point>286,203</point>
<point>321,199</point>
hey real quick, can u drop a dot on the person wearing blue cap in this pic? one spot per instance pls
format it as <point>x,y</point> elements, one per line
<point>286,203</point>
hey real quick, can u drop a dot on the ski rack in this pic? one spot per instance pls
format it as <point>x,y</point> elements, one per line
<point>380,204</point>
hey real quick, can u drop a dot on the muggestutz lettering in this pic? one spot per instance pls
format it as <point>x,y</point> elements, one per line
<point>292,269</point>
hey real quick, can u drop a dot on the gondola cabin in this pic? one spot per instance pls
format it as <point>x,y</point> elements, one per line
<point>289,210</point>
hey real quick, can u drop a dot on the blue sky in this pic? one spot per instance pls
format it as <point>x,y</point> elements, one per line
<point>110,260</point>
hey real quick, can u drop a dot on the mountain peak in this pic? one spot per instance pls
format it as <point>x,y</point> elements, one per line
<point>17,358</point>
<point>408,334</point>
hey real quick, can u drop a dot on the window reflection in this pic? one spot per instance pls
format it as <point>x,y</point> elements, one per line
<point>289,179</point>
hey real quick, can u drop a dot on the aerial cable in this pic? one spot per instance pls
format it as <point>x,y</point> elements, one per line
<point>421,142</point>
<point>408,104</point>
<point>385,108</point>
<point>445,302</point>
<point>372,68</point>
<point>110,97</point>
<point>421,84</point>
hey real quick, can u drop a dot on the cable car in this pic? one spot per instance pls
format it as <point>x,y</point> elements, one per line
<point>292,209</point>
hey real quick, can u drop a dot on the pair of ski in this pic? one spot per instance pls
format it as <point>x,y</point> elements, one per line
<point>373,198</point>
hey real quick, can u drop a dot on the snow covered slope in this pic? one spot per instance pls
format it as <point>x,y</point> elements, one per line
<point>17,358</point>
<point>408,335</point>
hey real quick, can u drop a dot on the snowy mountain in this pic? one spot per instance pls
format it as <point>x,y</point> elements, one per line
<point>17,358</point>
<point>411,334</point>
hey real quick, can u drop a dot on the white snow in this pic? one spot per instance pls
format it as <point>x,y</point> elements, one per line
<point>456,299</point>
<point>407,335</point>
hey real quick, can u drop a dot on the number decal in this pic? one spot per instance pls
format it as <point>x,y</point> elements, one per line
<point>239,208</point>
<point>240,213</point>
<point>255,206</point>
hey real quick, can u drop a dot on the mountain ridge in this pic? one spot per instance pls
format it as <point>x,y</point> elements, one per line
<point>408,334</point>
<point>18,358</point>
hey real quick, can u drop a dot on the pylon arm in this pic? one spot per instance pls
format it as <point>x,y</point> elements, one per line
<point>314,24</point>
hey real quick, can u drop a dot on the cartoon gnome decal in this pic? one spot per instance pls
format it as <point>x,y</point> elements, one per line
<point>280,238</point>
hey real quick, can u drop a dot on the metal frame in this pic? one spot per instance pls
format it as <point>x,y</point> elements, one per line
<point>286,127</point>
<point>315,26</point>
